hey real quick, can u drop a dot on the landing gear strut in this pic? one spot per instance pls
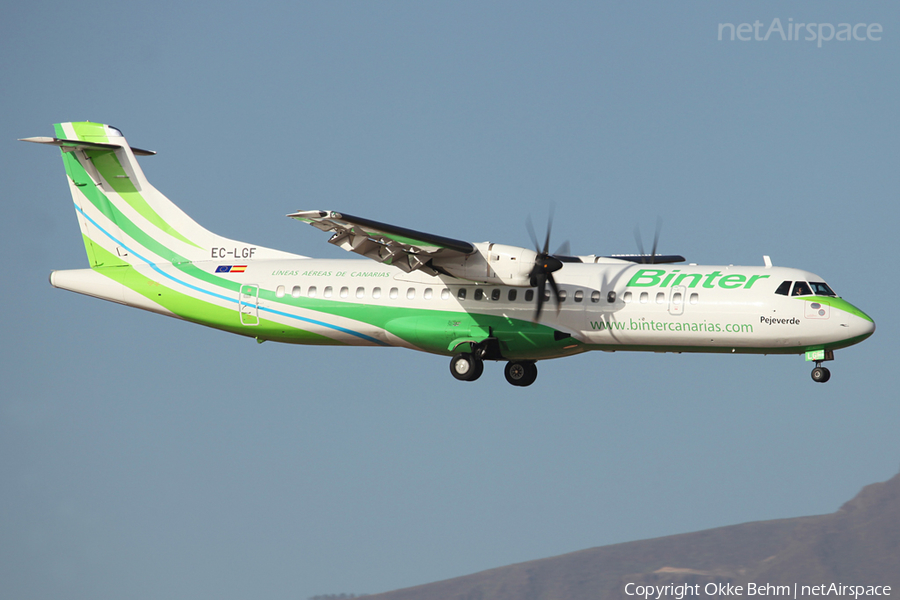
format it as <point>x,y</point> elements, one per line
<point>520,372</point>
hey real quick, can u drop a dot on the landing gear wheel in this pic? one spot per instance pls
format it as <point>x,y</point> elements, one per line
<point>821,374</point>
<point>466,367</point>
<point>520,373</point>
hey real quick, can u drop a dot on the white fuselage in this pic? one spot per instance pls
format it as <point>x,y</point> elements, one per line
<point>611,306</point>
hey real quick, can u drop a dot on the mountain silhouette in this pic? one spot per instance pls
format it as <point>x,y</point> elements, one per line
<point>857,545</point>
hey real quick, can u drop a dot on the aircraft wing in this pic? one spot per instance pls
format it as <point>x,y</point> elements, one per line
<point>650,259</point>
<point>404,248</point>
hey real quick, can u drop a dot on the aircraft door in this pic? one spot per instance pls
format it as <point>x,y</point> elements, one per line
<point>248,304</point>
<point>676,300</point>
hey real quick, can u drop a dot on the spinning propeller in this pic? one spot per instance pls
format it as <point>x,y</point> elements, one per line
<point>545,264</point>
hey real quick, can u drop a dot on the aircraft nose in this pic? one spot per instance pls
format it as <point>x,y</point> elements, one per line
<point>863,324</point>
<point>868,327</point>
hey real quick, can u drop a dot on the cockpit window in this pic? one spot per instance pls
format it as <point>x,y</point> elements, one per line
<point>801,288</point>
<point>820,288</point>
<point>784,289</point>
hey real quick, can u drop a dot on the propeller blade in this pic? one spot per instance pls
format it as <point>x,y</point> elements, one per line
<point>651,258</point>
<point>544,266</point>
<point>555,291</point>
<point>656,239</point>
<point>540,299</point>
<point>549,227</point>
<point>640,244</point>
<point>564,249</point>
<point>530,229</point>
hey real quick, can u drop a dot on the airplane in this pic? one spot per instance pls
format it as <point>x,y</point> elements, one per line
<point>472,302</point>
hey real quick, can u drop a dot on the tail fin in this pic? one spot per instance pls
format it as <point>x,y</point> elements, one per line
<point>123,218</point>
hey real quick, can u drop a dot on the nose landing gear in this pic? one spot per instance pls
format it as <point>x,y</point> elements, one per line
<point>820,374</point>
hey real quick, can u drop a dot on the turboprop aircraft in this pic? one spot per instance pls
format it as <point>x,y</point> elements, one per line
<point>470,301</point>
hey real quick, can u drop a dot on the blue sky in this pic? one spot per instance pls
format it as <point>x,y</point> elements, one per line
<point>145,457</point>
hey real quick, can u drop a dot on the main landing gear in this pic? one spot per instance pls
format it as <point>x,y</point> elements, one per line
<point>467,366</point>
<point>520,372</point>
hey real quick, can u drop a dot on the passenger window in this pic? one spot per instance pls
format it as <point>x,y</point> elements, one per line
<point>394,293</point>
<point>345,292</point>
<point>279,291</point>
<point>295,291</point>
<point>645,297</point>
<point>595,296</point>
<point>660,297</point>
<point>695,298</point>
<point>311,292</point>
<point>445,294</point>
<point>546,295</point>
<point>511,296</point>
<point>579,295</point>
<point>801,288</point>
<point>676,298</point>
<point>820,288</point>
<point>529,295</point>
<point>461,294</point>
<point>327,292</point>
<point>495,294</point>
<point>625,298</point>
<point>428,293</point>
<point>411,294</point>
<point>563,295</point>
<point>611,297</point>
<point>360,292</point>
<point>376,293</point>
<point>784,289</point>
<point>479,294</point>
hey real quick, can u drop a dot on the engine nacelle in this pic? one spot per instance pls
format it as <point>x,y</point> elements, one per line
<point>492,263</point>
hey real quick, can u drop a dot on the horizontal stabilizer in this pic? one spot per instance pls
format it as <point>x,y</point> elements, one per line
<point>69,145</point>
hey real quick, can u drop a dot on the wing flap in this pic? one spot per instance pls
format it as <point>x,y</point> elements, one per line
<point>406,249</point>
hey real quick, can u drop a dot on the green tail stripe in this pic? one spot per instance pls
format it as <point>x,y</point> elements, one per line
<point>99,200</point>
<point>76,171</point>
<point>108,165</point>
